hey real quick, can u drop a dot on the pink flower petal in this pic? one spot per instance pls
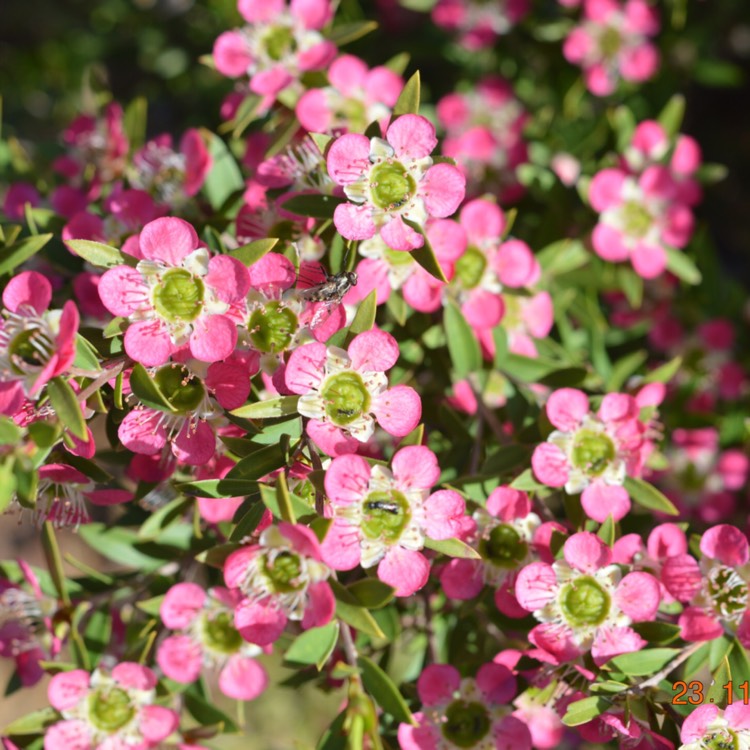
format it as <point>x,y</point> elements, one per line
<point>442,188</point>
<point>666,540</point>
<point>600,500</point>
<point>123,291</point>
<point>259,622</point>
<point>348,159</point>
<point>321,605</point>
<point>180,658</point>
<point>515,264</point>
<point>508,504</point>
<point>169,240</point>
<point>412,137</point>
<point>586,552</point>
<point>605,190</point>
<point>373,351</point>
<point>28,289</point>
<point>638,595</point>
<point>696,723</point>
<point>347,480</point>
<point>227,277</point>
<point>242,678</point>
<point>511,733</point>
<point>68,735</point>
<point>550,465</point>
<point>341,547</point>
<point>737,715</point>
<point>230,383</point>
<point>405,570</point>
<point>142,431</point>
<point>398,410</point>
<point>181,605</point>
<point>445,511</point>
<point>696,625</point>
<point>727,544</point>
<point>135,676</point>
<point>399,236</point>
<point>235,566</point>
<point>681,575</point>
<point>536,585</point>
<point>148,342</point>
<point>415,467</point>
<point>194,444</point>
<point>354,222</point>
<point>609,243</point>
<point>314,14</point>
<point>556,640</point>
<point>272,273</point>
<point>566,408</point>
<point>610,642</point>
<point>448,239</point>
<point>213,338</point>
<point>462,579</point>
<point>305,368</point>
<point>437,683</point>
<point>497,683</point>
<point>649,261</point>
<point>314,111</point>
<point>67,689</point>
<point>618,406</point>
<point>483,220</point>
<point>157,723</point>
<point>260,11</point>
<point>347,74</point>
<point>330,439</point>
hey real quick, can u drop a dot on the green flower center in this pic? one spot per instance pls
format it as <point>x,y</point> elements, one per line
<point>28,348</point>
<point>592,451</point>
<point>584,602</point>
<point>610,42</point>
<point>385,515</point>
<point>722,739</point>
<point>283,572</point>
<point>219,633</point>
<point>391,185</point>
<point>512,317</point>
<point>466,723</point>
<point>728,592</point>
<point>470,267</point>
<point>504,547</point>
<point>636,219</point>
<point>178,296</point>
<point>279,42</point>
<point>346,397</point>
<point>180,387</point>
<point>272,327</point>
<point>110,709</point>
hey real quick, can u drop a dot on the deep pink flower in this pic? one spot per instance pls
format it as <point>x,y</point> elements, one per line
<point>469,713</point>
<point>16,198</point>
<point>344,393</point>
<point>281,578</point>
<point>390,180</point>
<point>104,710</point>
<point>381,516</point>
<point>177,294</point>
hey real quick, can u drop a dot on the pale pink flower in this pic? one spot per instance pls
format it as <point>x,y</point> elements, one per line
<point>710,726</point>
<point>344,393</point>
<point>281,578</point>
<point>178,294</point>
<point>392,180</point>
<point>584,603</point>
<point>207,638</point>
<point>469,713</point>
<point>103,710</point>
<point>382,516</point>
<point>478,22</point>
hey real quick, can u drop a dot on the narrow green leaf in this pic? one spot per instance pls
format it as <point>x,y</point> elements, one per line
<point>11,256</point>
<point>408,100</point>
<point>134,122</point>
<point>254,251</point>
<point>583,711</point>
<point>415,437</point>
<point>364,318</point>
<point>682,266</point>
<point>607,531</point>
<point>8,482</point>
<point>657,632</point>
<point>322,141</point>
<point>624,368</point>
<point>398,63</point>
<point>87,358</point>
<point>314,646</point>
<point>218,488</point>
<point>508,458</point>
<point>670,118</point>
<point>63,400</point>
<point>562,257</point>
<point>664,373</point>
<point>54,561</point>
<point>283,499</point>
<point>313,206</point>
<point>425,255</point>
<point>344,33</point>
<point>205,713</point>
<point>463,346</point>
<point>268,409</point>
<point>10,432</point>
<point>371,592</point>
<point>34,723</point>
<point>452,548</point>
<point>526,482</point>
<point>259,464</point>
<point>97,253</point>
<point>148,392</point>
<point>642,663</point>
<point>348,610</point>
<point>380,686</point>
<point>225,176</point>
<point>647,496</point>
<point>716,692</point>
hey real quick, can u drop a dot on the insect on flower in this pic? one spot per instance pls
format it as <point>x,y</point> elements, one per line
<point>330,292</point>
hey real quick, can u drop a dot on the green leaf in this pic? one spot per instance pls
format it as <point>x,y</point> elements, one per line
<point>670,118</point>
<point>294,507</point>
<point>97,253</point>
<point>348,610</point>
<point>134,122</point>
<point>10,432</point>
<point>218,488</point>
<point>624,368</point>
<point>206,714</point>
<point>647,496</point>
<point>386,694</point>
<point>718,73</point>
<point>657,632</point>
<point>11,256</point>
<point>415,437</point>
<point>716,692</point>
<point>398,63</point>
<point>248,522</point>
<point>8,482</point>
<point>364,318</point>
<point>452,548</point>
<point>314,206</point>
<point>87,358</point>
<point>268,409</point>
<point>118,544</point>
<point>314,646</point>
<point>529,370</point>
<point>526,482</point>
<point>54,561</point>
<point>322,141</point>
<point>254,251</point>
<point>225,176</point>
<point>151,606</point>
<point>371,592</point>
<point>425,255</point>
<point>258,464</point>
<point>408,100</point>
<point>463,346</point>
<point>148,391</point>
<point>562,257</point>
<point>344,33</point>
<point>642,663</point>
<point>583,711</point>
<point>63,400</point>
<point>664,373</point>
<point>682,266</point>
<point>160,519</point>
<point>283,499</point>
<point>607,531</point>
<point>34,723</point>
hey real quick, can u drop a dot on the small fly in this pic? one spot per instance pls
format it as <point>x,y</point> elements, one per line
<point>330,292</point>
<point>393,508</point>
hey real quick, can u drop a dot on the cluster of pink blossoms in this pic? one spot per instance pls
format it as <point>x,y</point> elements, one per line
<point>479,23</point>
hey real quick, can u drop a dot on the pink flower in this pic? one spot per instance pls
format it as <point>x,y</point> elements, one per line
<point>207,637</point>
<point>16,198</point>
<point>281,578</point>
<point>584,603</point>
<point>592,453</point>
<point>36,343</point>
<point>177,294</point>
<point>479,23</point>
<point>389,181</point>
<point>277,45</point>
<point>345,392</point>
<point>107,709</point>
<point>355,97</point>
<point>710,726</point>
<point>381,516</point>
<point>716,590</point>
<point>469,713</point>
<point>612,42</point>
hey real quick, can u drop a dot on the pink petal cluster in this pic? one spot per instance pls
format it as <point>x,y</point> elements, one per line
<point>584,603</point>
<point>393,180</point>
<point>344,393</point>
<point>207,638</point>
<point>281,578</point>
<point>279,42</point>
<point>381,516</point>
<point>479,23</point>
<point>710,726</point>
<point>593,453</point>
<point>104,710</point>
<point>612,42</point>
<point>469,713</point>
<point>176,295</point>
